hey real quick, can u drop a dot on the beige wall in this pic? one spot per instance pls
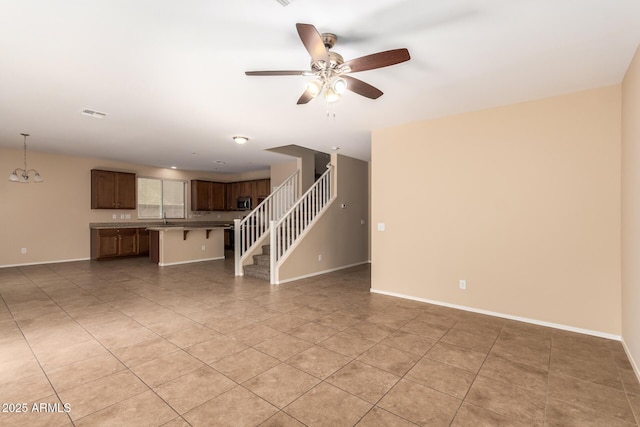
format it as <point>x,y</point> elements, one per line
<point>52,219</point>
<point>338,236</point>
<point>281,171</point>
<point>631,211</point>
<point>306,165</point>
<point>522,202</point>
<point>369,212</point>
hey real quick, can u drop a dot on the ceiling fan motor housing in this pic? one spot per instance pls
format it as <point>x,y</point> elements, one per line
<point>329,39</point>
<point>335,60</point>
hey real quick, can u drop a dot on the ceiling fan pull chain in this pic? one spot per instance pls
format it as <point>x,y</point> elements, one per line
<point>329,112</point>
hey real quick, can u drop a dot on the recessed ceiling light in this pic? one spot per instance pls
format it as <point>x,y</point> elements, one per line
<point>174,167</point>
<point>240,139</point>
<point>335,148</point>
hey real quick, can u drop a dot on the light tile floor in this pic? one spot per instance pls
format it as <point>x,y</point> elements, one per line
<point>127,343</point>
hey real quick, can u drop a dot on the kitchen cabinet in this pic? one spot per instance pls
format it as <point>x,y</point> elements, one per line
<point>257,189</point>
<point>246,189</point>
<point>113,190</point>
<point>233,192</point>
<point>207,195</point>
<point>127,242</point>
<point>261,188</point>
<point>119,242</point>
<point>104,243</point>
<point>143,241</point>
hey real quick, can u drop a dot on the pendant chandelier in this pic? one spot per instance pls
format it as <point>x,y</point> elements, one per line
<point>22,175</point>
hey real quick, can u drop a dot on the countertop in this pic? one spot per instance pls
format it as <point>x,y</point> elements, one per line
<point>159,225</point>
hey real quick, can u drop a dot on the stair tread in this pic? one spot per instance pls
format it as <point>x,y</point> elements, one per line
<point>262,260</point>
<point>257,271</point>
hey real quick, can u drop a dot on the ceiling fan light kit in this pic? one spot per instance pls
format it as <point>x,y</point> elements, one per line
<point>314,87</point>
<point>331,95</point>
<point>330,70</point>
<point>339,85</point>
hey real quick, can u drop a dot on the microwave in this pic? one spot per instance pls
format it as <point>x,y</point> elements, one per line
<point>244,203</point>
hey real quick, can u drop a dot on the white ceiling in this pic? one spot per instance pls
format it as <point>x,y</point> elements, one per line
<point>170,74</point>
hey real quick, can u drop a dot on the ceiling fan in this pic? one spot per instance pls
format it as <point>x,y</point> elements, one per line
<point>330,70</point>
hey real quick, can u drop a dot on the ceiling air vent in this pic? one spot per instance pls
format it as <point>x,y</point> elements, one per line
<point>285,2</point>
<point>93,113</point>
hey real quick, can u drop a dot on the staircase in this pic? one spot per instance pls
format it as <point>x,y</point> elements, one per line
<point>283,230</point>
<point>261,263</point>
<point>253,230</point>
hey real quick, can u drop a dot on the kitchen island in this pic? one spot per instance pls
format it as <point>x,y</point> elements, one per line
<point>169,245</point>
<point>165,244</point>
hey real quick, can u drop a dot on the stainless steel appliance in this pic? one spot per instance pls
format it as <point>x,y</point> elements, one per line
<point>244,203</point>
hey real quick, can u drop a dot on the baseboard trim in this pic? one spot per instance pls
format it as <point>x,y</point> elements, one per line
<point>44,262</point>
<point>318,273</point>
<point>167,264</point>
<point>504,316</point>
<point>634,365</point>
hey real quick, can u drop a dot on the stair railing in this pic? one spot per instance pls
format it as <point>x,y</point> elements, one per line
<point>249,231</point>
<point>286,230</point>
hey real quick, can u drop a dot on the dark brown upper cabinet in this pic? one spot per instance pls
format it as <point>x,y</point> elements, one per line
<point>113,190</point>
<point>207,195</point>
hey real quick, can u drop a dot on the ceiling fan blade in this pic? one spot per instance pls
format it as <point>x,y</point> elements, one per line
<point>362,88</point>
<point>313,42</point>
<point>278,73</point>
<point>377,60</point>
<point>304,98</point>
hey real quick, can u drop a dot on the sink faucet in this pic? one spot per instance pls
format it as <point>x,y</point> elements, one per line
<point>164,218</point>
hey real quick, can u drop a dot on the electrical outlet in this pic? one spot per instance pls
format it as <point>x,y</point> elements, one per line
<point>463,284</point>
<point>381,226</point>
<point>23,250</point>
<point>319,257</point>
<point>203,247</point>
<point>114,216</point>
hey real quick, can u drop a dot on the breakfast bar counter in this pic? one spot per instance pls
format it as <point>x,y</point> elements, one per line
<point>169,245</point>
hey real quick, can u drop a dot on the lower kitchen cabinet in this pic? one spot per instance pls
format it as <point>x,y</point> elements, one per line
<point>119,242</point>
<point>104,243</point>
<point>143,241</point>
<point>128,244</point>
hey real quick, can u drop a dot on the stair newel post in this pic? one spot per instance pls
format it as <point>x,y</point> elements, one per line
<point>273,240</point>
<point>237,246</point>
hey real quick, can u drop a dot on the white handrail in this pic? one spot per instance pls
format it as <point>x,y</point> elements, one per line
<point>286,230</point>
<point>249,231</point>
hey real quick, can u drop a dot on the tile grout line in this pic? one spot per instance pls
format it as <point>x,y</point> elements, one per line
<point>127,367</point>
<point>245,296</point>
<point>68,414</point>
<point>136,375</point>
